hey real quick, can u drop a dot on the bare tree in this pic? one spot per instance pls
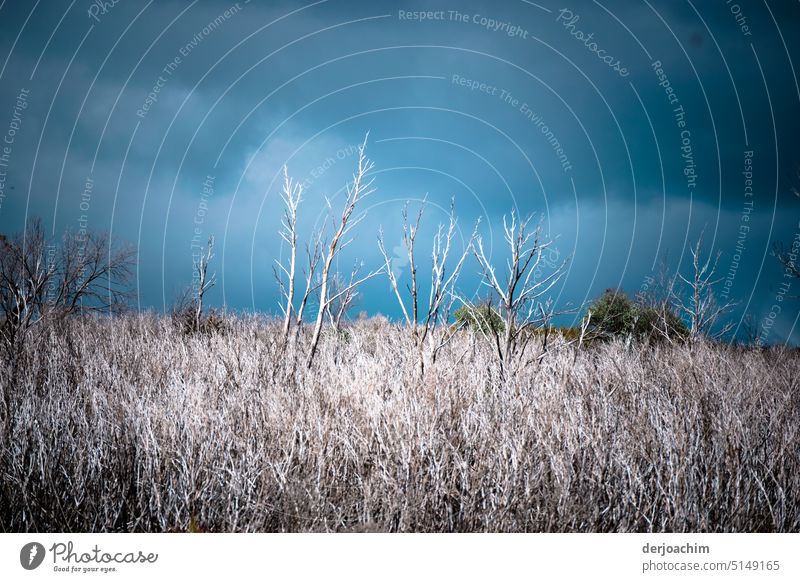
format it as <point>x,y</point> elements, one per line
<point>24,276</point>
<point>423,324</point>
<point>39,279</point>
<point>91,274</point>
<point>358,189</point>
<point>286,272</point>
<point>204,282</point>
<point>291,195</point>
<point>521,294</point>
<point>699,304</point>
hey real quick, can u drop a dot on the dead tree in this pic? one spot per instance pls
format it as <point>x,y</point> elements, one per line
<point>699,303</point>
<point>204,282</point>
<point>358,189</point>
<point>40,280</point>
<point>286,272</point>
<point>25,275</point>
<point>423,324</point>
<point>291,195</point>
<point>521,295</point>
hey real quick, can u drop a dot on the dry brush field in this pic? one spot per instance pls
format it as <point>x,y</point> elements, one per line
<point>131,425</point>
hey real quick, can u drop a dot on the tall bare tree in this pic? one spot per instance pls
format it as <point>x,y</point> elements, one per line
<point>40,279</point>
<point>521,293</point>
<point>441,296</point>
<point>291,195</point>
<point>699,302</point>
<point>360,187</point>
<point>204,282</point>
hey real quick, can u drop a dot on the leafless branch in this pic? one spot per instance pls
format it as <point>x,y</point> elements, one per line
<point>521,293</point>
<point>360,187</point>
<point>700,304</point>
<point>291,195</point>
<point>204,282</point>
<point>423,325</point>
<point>40,279</point>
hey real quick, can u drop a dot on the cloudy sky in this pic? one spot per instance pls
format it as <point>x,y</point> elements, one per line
<point>632,129</point>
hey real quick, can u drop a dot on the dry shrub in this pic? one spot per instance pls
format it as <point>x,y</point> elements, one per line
<point>131,425</point>
<point>184,318</point>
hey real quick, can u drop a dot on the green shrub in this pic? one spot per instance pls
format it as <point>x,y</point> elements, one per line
<point>614,314</point>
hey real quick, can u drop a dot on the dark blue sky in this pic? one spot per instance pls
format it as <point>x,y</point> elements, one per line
<point>627,125</point>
